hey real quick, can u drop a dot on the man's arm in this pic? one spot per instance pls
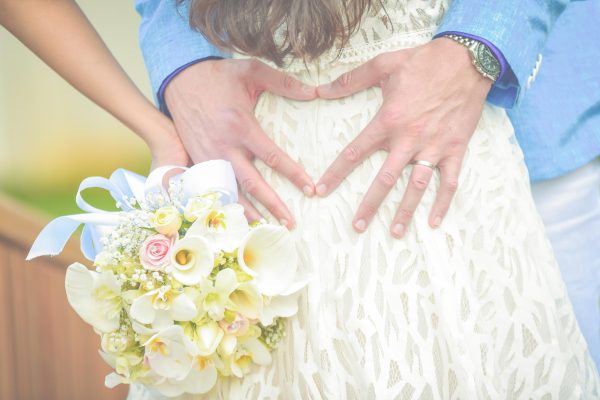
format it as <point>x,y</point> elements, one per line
<point>168,43</point>
<point>212,103</point>
<point>516,29</point>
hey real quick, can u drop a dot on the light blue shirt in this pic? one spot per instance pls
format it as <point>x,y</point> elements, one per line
<point>556,118</point>
<point>557,121</point>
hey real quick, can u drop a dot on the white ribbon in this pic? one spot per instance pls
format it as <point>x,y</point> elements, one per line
<point>209,176</point>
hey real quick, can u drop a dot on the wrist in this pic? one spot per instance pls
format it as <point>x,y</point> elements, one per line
<point>482,56</point>
<point>196,72</point>
<point>462,61</point>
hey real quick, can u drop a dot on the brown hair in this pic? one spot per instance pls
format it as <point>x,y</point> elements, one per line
<point>254,27</point>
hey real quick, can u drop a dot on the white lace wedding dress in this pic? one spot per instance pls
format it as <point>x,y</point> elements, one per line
<point>473,310</point>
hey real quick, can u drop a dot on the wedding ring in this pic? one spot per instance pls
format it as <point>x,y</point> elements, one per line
<point>424,163</point>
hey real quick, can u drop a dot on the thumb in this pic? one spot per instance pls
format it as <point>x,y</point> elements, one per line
<point>266,78</point>
<point>362,77</point>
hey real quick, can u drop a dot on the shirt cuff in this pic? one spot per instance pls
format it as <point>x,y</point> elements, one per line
<point>162,104</point>
<point>497,53</point>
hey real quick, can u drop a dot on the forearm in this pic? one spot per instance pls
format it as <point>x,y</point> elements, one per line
<point>59,33</point>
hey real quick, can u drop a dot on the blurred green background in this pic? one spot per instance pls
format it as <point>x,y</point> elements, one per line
<point>51,137</point>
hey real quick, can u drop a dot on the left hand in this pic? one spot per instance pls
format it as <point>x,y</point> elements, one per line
<point>433,98</point>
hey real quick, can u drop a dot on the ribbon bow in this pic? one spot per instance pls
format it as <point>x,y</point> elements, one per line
<point>208,176</point>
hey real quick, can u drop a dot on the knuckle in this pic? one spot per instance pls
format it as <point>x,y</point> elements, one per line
<point>248,185</point>
<point>387,179</point>
<point>368,209</point>
<point>378,62</point>
<point>452,185</point>
<point>419,183</point>
<point>232,120</point>
<point>288,82</point>
<point>345,79</point>
<point>405,214</point>
<point>273,159</point>
<point>252,66</point>
<point>351,153</point>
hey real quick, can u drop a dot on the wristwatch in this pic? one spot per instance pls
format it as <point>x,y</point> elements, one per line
<point>483,59</point>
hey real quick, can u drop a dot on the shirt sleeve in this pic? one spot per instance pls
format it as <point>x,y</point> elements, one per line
<point>517,29</point>
<point>169,44</point>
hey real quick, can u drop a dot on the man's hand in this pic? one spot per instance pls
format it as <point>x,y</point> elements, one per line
<point>432,101</point>
<point>212,104</point>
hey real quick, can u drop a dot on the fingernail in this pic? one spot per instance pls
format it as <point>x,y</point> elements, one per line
<point>360,225</point>
<point>398,230</point>
<point>308,190</point>
<point>321,189</point>
<point>283,222</point>
<point>437,221</point>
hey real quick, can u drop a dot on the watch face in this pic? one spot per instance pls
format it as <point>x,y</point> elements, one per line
<point>487,61</point>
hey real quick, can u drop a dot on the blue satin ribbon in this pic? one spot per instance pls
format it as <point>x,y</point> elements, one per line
<point>210,176</point>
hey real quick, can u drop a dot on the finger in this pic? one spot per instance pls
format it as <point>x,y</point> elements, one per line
<point>384,182</point>
<point>253,183</point>
<point>251,213</point>
<point>352,156</point>
<point>365,76</point>
<point>266,150</point>
<point>277,82</point>
<point>418,182</point>
<point>449,173</point>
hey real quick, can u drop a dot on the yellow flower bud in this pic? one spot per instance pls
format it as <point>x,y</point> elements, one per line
<point>167,220</point>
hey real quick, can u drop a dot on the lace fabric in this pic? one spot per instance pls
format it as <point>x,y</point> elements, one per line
<point>473,310</point>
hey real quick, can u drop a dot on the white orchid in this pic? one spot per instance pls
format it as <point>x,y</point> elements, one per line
<point>215,297</point>
<point>192,259</point>
<point>268,254</point>
<point>199,206</point>
<point>200,379</point>
<point>173,356</point>
<point>250,350</point>
<point>162,306</point>
<point>223,227</point>
<point>96,297</point>
<point>170,353</point>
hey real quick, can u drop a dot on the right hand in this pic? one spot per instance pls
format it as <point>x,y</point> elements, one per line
<point>212,104</point>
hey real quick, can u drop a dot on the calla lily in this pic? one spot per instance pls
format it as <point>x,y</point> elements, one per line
<point>96,297</point>
<point>268,254</point>
<point>170,353</point>
<point>224,227</point>
<point>192,260</point>
<point>216,298</point>
<point>246,300</point>
<point>285,305</point>
<point>160,307</point>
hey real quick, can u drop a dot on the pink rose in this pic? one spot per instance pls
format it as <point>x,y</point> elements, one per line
<point>154,252</point>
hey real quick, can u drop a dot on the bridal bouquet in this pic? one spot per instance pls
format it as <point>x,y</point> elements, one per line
<point>184,291</point>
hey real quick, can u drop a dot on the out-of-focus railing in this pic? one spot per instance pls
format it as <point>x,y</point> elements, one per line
<point>46,351</point>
